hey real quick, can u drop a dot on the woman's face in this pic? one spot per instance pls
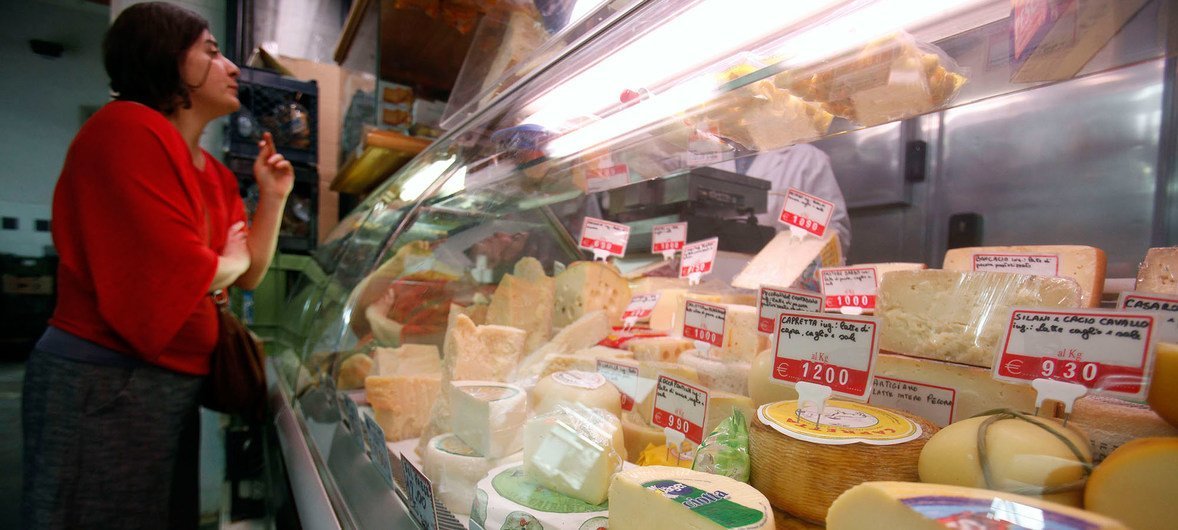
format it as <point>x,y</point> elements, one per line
<point>211,78</point>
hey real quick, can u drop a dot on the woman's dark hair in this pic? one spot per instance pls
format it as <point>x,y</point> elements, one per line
<point>142,53</point>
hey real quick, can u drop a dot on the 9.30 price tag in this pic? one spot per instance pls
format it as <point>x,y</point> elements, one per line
<point>681,407</point>
<point>807,213</point>
<point>1107,350</point>
<point>834,351</point>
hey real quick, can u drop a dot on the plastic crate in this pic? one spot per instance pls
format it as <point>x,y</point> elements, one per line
<point>287,108</point>
<point>299,231</point>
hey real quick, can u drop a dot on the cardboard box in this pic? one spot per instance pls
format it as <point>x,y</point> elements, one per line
<point>1052,40</point>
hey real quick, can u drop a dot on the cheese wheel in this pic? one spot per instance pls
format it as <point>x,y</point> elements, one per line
<point>1022,456</point>
<point>353,371</point>
<point>785,521</point>
<point>915,506</point>
<point>671,497</point>
<point>508,498</point>
<point>455,469</point>
<point>803,478</point>
<point>587,388</point>
<point>1086,265</point>
<point>1163,391</point>
<point>1110,423</point>
<point>761,388</point>
<point>716,374</point>
<point>1137,484</point>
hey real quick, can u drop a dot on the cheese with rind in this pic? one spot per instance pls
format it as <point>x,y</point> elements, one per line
<point>1136,484</point>
<point>665,349</point>
<point>788,262</point>
<point>481,352</point>
<point>1086,265</point>
<point>1163,391</point>
<point>488,415</point>
<point>587,286</point>
<point>671,497</point>
<point>1158,273</point>
<point>408,359</point>
<point>1110,423</point>
<point>402,404</point>
<point>586,332</point>
<point>455,469</point>
<point>717,374</point>
<point>564,388</point>
<point>524,300</point>
<point>508,498</point>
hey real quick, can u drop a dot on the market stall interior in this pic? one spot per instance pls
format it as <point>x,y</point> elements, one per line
<point>514,330</point>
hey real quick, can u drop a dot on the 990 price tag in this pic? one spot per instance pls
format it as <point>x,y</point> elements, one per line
<point>806,212</point>
<point>704,322</point>
<point>834,351</point>
<point>604,238</point>
<point>1107,350</point>
<point>681,407</point>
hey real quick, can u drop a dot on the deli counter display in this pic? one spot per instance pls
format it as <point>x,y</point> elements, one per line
<point>576,310</point>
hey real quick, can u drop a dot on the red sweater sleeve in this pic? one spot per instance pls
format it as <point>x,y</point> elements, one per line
<point>140,223</point>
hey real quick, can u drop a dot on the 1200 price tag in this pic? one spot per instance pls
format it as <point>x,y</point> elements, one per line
<point>604,238</point>
<point>680,406</point>
<point>1107,350</point>
<point>834,351</point>
<point>704,322</point>
<point>806,212</point>
<point>771,301</point>
<point>848,289</point>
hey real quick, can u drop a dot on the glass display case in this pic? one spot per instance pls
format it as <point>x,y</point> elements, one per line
<point>1050,120</point>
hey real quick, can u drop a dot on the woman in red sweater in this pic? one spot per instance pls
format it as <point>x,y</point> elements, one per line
<point>147,225</point>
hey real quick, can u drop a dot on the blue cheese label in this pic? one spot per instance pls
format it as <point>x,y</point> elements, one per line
<point>712,505</point>
<point>992,514</point>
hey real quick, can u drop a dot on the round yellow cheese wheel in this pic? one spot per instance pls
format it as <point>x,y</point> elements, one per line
<point>1163,389</point>
<point>1023,458</point>
<point>1137,484</point>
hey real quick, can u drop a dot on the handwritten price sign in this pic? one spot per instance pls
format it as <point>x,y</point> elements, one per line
<point>1167,305</point>
<point>680,406</point>
<point>641,306</point>
<point>604,238</point>
<point>1036,264</point>
<point>834,351</point>
<point>668,237</point>
<point>1108,350</point>
<point>698,257</point>
<point>604,175</point>
<point>848,287</point>
<point>771,301</point>
<point>704,322</point>
<point>806,212</point>
<point>419,494</point>
<point>623,376</point>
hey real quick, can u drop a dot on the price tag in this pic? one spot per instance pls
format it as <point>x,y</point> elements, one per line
<point>681,407</point>
<point>1107,350</point>
<point>698,258</point>
<point>640,308</point>
<point>834,351</point>
<point>604,238</point>
<point>848,290</point>
<point>704,322</point>
<point>1036,264</point>
<point>352,418</point>
<point>691,159</point>
<point>419,493</point>
<point>805,213</point>
<point>771,301</point>
<point>668,238</point>
<point>1166,304</point>
<point>605,175</point>
<point>378,450</point>
<point>623,376</point>
<point>931,402</point>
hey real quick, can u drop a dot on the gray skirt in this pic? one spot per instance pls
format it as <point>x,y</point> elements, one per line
<point>109,446</point>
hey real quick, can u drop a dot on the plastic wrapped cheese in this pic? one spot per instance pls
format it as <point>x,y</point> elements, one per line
<point>508,498</point>
<point>454,469</point>
<point>1084,264</point>
<point>574,450</point>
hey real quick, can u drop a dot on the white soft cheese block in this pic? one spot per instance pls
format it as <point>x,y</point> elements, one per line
<point>481,352</point>
<point>574,386</point>
<point>487,416</point>
<point>574,450</point>
<point>716,374</point>
<point>788,262</point>
<point>508,498</point>
<point>916,506</point>
<point>587,286</point>
<point>960,316</point>
<point>942,392</point>
<point>670,497</point>
<point>407,359</point>
<point>1086,265</point>
<point>586,332</point>
<point>455,469</point>
<point>525,300</point>
<point>665,349</point>
<point>402,403</point>
<point>1158,273</point>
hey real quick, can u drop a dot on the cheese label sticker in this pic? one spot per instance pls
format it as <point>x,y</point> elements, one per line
<point>704,322</point>
<point>834,351</point>
<point>641,306</point>
<point>698,257</point>
<point>419,496</point>
<point>623,376</point>
<point>931,402</point>
<point>668,237</point>
<point>604,237</point>
<point>842,423</point>
<point>1111,351</point>
<point>580,379</point>
<point>991,514</point>
<point>771,301</point>
<point>680,406</point>
<point>807,212</point>
<point>716,505</point>
<point>352,416</point>
<point>1035,264</point>
<point>604,175</point>
<point>378,449</point>
<point>455,446</point>
<point>848,287</point>
<point>1165,304</point>
<point>514,485</point>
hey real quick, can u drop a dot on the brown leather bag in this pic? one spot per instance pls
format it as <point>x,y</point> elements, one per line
<point>236,383</point>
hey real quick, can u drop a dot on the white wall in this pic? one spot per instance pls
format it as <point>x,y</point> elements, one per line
<point>307,29</point>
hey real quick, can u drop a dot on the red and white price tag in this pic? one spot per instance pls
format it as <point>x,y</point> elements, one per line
<point>806,213</point>
<point>704,322</point>
<point>604,238</point>
<point>668,238</point>
<point>833,351</point>
<point>1036,264</point>
<point>640,308</point>
<point>1097,349</point>
<point>623,376</point>
<point>1166,304</point>
<point>698,259</point>
<point>848,290</point>
<point>771,301</point>
<point>681,407</point>
<point>604,175</point>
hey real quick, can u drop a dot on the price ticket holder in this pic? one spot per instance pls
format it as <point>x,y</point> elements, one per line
<point>704,324</point>
<point>604,238</point>
<point>698,259</point>
<point>680,408</point>
<point>667,239</point>
<point>1064,355</point>
<point>824,355</point>
<point>849,290</point>
<point>805,214</point>
<point>625,377</point>
<point>640,308</point>
<point>771,301</point>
